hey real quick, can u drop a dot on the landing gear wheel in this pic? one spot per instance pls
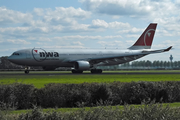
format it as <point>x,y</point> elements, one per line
<point>93,71</point>
<point>26,71</point>
<point>77,71</point>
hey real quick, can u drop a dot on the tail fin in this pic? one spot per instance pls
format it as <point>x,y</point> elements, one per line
<point>145,40</point>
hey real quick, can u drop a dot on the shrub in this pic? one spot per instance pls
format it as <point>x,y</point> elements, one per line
<point>16,95</point>
<point>77,94</point>
<point>6,96</point>
<point>143,112</point>
<point>51,96</point>
<point>63,95</point>
<point>100,92</point>
<point>24,96</point>
<point>137,92</point>
<point>172,91</point>
<point>35,114</point>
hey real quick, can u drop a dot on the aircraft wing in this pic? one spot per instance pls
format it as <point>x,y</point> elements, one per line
<point>115,59</point>
<point>120,58</point>
<point>126,58</point>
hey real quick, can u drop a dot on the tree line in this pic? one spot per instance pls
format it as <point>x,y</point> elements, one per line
<point>155,64</point>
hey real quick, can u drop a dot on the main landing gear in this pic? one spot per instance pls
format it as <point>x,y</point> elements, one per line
<point>77,71</point>
<point>27,70</point>
<point>93,71</point>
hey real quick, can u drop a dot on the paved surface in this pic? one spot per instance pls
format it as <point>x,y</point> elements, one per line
<point>69,73</point>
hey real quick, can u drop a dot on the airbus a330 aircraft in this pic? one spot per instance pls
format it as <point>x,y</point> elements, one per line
<point>86,59</point>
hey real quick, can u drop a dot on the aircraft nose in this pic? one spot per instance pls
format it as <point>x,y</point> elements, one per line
<point>10,58</point>
<point>13,59</point>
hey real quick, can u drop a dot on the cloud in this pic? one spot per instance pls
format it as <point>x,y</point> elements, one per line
<point>163,12</point>
<point>9,16</point>
<point>63,16</point>
<point>47,21</point>
<point>17,42</point>
<point>113,44</point>
<point>118,7</point>
<point>77,43</point>
<point>43,21</point>
<point>64,47</point>
<point>99,24</point>
<point>39,11</point>
<point>131,30</point>
<point>79,37</point>
<point>68,12</point>
<point>149,10</point>
<point>112,25</point>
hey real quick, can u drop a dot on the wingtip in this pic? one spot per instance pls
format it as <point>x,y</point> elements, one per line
<point>168,49</point>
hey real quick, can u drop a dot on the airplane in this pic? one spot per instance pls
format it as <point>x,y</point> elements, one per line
<point>86,59</point>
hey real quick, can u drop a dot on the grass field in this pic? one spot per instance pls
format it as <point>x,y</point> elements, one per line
<point>40,80</point>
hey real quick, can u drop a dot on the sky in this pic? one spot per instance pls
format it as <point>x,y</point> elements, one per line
<point>88,24</point>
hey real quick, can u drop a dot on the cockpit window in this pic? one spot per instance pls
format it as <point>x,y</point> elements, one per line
<point>15,53</point>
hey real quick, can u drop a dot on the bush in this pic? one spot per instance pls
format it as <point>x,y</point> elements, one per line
<point>138,92</point>
<point>172,90</point>
<point>143,112</point>
<point>17,95</point>
<point>77,94</point>
<point>6,96</point>
<point>99,92</point>
<point>35,114</point>
<point>63,95</point>
<point>24,96</point>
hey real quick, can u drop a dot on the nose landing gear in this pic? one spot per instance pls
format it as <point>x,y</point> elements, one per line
<point>27,70</point>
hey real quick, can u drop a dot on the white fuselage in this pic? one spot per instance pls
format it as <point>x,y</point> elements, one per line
<point>66,57</point>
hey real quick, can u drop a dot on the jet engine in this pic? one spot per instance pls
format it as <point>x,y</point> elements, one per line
<point>49,68</point>
<point>82,65</point>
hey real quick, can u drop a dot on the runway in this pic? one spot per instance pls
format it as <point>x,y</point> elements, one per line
<point>12,73</point>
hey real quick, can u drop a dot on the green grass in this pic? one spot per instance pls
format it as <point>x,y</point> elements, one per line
<point>40,80</point>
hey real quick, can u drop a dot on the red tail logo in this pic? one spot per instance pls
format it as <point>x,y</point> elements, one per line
<point>145,40</point>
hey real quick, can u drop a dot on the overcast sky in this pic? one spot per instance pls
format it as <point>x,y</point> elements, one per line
<point>109,24</point>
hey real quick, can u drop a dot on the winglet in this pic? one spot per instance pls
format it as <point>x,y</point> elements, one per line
<point>168,49</point>
<point>145,40</point>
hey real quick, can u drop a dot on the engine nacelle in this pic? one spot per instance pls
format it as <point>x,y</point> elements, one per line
<point>49,68</point>
<point>82,65</point>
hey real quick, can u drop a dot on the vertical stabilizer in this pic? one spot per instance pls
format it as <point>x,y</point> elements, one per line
<point>145,40</point>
